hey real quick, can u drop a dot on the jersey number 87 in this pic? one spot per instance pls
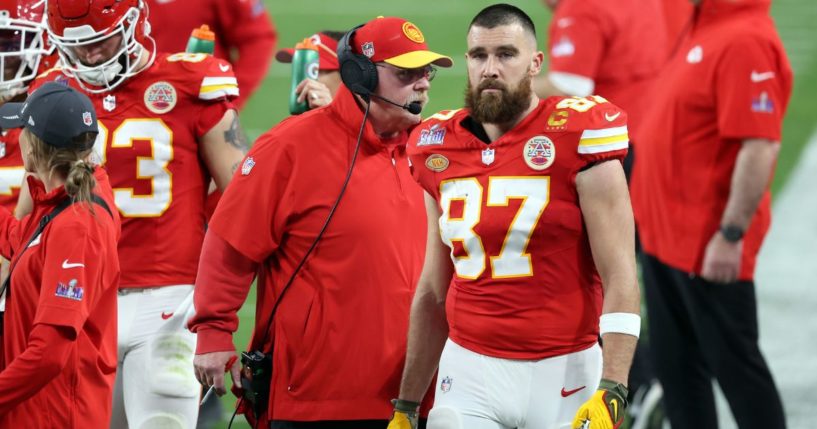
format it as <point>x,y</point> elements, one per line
<point>513,260</point>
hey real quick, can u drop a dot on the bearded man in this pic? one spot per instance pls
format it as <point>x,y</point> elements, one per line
<point>530,252</point>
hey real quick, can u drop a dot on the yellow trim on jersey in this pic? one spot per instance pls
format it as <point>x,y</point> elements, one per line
<point>55,68</point>
<point>216,91</point>
<point>603,140</point>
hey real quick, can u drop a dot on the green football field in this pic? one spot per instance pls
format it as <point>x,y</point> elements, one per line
<point>444,24</point>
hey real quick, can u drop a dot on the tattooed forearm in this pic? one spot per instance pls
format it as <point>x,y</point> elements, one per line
<point>235,136</point>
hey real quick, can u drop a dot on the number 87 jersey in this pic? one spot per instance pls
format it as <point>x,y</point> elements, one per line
<point>149,132</point>
<point>525,285</point>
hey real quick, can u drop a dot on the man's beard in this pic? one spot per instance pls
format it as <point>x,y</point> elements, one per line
<point>498,108</point>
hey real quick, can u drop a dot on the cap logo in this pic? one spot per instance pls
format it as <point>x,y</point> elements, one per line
<point>367,49</point>
<point>31,121</point>
<point>539,153</point>
<point>413,33</point>
<point>160,97</point>
<point>87,119</point>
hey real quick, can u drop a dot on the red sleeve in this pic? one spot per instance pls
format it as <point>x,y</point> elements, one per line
<point>43,359</point>
<point>247,28</point>
<point>577,40</point>
<point>9,232</point>
<point>222,284</point>
<point>216,90</point>
<point>752,91</point>
<point>252,214</point>
<point>72,274</point>
<point>602,128</point>
<point>210,115</point>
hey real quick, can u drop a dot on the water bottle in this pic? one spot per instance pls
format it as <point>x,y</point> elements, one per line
<point>304,66</point>
<point>202,41</point>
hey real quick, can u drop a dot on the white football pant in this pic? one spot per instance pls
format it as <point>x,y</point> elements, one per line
<point>475,391</point>
<point>155,383</point>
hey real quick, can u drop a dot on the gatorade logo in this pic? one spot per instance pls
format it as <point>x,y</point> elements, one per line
<point>413,33</point>
<point>312,70</point>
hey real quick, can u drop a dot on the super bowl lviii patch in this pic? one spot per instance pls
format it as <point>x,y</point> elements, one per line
<point>160,97</point>
<point>71,290</point>
<point>539,153</point>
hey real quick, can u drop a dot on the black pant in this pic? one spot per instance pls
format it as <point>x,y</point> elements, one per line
<point>337,424</point>
<point>700,331</point>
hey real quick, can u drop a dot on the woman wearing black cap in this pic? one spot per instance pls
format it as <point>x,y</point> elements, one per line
<point>59,328</point>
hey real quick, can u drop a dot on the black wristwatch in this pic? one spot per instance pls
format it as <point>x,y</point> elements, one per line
<point>732,233</point>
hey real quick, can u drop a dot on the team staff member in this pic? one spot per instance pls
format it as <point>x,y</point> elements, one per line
<point>245,34</point>
<point>598,47</point>
<point>60,322</point>
<point>319,92</point>
<point>339,334</point>
<point>529,225</point>
<point>702,206</point>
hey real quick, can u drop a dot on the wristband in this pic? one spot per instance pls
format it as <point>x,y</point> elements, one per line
<point>407,407</point>
<point>620,323</point>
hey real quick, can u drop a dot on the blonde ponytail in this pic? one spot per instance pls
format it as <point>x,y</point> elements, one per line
<point>80,181</point>
<point>69,164</point>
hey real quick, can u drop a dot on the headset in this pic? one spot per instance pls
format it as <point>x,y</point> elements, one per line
<point>359,73</point>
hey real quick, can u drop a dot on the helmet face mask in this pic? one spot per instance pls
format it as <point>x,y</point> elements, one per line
<point>22,46</point>
<point>125,21</point>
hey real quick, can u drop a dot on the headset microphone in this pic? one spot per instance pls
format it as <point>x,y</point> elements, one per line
<point>415,107</point>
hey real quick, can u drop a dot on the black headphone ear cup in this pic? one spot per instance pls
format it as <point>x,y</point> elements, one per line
<point>357,72</point>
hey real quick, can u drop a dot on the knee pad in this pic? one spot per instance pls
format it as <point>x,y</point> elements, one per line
<point>164,421</point>
<point>444,418</point>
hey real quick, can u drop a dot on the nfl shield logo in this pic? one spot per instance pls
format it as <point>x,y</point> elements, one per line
<point>2,150</point>
<point>109,103</point>
<point>87,119</point>
<point>249,163</point>
<point>368,49</point>
<point>445,385</point>
<point>488,156</point>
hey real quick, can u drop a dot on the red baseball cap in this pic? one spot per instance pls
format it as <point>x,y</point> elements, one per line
<point>327,55</point>
<point>397,42</point>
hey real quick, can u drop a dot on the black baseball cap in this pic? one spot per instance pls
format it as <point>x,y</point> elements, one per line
<point>54,112</point>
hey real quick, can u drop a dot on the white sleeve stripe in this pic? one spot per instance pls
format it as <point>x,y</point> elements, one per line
<point>224,80</point>
<point>212,95</point>
<point>605,132</point>
<point>572,84</point>
<point>609,147</point>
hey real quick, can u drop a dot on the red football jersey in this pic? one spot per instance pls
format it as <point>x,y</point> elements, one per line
<point>620,45</point>
<point>150,126</point>
<point>525,286</point>
<point>11,168</point>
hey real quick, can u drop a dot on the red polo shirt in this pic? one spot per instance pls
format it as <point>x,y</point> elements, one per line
<point>730,81</point>
<point>620,45</point>
<point>340,332</point>
<point>67,278</point>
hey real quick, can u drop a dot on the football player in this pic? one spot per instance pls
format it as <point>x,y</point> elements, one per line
<point>530,251</point>
<point>166,126</point>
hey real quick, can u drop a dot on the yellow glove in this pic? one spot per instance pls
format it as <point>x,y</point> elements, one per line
<point>405,414</point>
<point>605,409</point>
